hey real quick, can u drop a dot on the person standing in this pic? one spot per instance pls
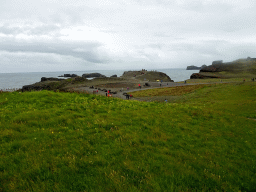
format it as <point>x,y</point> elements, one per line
<point>139,86</point>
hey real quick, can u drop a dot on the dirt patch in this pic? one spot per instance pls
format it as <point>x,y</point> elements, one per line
<point>118,85</point>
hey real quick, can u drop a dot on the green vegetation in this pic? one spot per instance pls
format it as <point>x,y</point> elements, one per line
<point>168,91</point>
<point>52,141</point>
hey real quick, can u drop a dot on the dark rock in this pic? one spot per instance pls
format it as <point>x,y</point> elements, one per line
<point>113,76</point>
<point>192,67</point>
<point>202,76</point>
<point>70,75</point>
<point>217,62</point>
<point>91,75</point>
<point>50,79</point>
<point>211,68</point>
<point>147,84</point>
<point>203,66</point>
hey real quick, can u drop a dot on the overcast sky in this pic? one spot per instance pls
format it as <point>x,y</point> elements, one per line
<point>62,35</point>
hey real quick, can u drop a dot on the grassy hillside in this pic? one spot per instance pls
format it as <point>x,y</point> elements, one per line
<point>51,141</point>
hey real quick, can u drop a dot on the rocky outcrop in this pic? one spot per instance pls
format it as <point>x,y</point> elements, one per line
<point>147,75</point>
<point>53,83</point>
<point>202,76</point>
<point>218,62</point>
<point>45,85</point>
<point>130,79</point>
<point>70,75</point>
<point>91,75</point>
<point>50,79</point>
<point>192,67</point>
<point>212,68</point>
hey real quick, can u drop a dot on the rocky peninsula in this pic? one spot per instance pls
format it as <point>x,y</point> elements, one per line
<point>129,80</point>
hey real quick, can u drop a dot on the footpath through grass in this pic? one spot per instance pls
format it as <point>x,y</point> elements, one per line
<point>76,142</point>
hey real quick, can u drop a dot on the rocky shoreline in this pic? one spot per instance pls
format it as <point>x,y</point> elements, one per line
<point>129,79</point>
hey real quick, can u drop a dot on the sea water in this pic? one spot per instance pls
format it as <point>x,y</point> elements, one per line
<point>17,80</point>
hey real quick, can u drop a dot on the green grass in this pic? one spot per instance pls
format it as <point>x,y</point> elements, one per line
<point>168,91</point>
<point>51,141</point>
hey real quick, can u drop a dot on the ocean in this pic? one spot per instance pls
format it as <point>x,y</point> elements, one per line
<point>9,81</point>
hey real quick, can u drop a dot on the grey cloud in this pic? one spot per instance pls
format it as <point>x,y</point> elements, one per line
<point>153,31</point>
<point>51,30</point>
<point>88,51</point>
<point>10,30</point>
<point>161,34</point>
<point>41,62</point>
<point>157,46</point>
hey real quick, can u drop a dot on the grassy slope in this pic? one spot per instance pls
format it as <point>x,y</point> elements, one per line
<point>75,142</point>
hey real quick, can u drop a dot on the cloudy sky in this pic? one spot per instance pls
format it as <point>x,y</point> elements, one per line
<point>62,35</point>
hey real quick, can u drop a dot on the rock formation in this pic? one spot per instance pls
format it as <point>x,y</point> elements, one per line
<point>192,67</point>
<point>129,79</point>
<point>50,79</point>
<point>147,75</point>
<point>202,76</point>
<point>91,75</point>
<point>70,75</point>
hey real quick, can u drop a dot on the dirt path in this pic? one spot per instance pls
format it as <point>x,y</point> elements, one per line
<point>121,90</point>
